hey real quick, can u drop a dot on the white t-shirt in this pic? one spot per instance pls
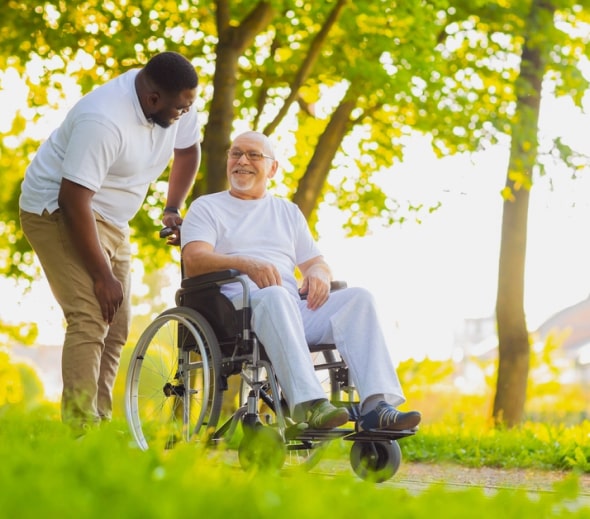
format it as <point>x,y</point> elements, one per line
<point>107,145</point>
<point>270,228</point>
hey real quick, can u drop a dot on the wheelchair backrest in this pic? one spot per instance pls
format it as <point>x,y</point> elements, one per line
<point>216,308</point>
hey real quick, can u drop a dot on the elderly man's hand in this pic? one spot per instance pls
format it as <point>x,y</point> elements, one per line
<point>262,273</point>
<point>317,288</point>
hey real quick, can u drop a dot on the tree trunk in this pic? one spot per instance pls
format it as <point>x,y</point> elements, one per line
<point>514,348</point>
<point>230,46</point>
<point>310,186</point>
<point>513,363</point>
<point>216,140</point>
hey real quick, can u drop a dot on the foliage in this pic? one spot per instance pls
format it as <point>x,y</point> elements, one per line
<point>102,474</point>
<point>437,388</point>
<point>434,387</point>
<point>356,78</point>
<point>20,385</point>
<point>441,68</point>
<point>456,425</point>
<point>25,333</point>
<point>532,445</point>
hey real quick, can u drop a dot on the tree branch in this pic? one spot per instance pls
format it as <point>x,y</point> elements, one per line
<point>307,64</point>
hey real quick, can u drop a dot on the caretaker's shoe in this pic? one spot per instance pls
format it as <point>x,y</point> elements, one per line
<point>385,416</point>
<point>323,415</point>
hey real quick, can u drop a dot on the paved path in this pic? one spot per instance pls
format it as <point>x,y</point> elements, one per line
<point>416,477</point>
<point>486,477</point>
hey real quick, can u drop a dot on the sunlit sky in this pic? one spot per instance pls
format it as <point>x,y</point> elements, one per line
<point>428,277</point>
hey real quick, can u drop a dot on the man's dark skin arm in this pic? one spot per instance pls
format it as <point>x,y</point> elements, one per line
<point>75,205</point>
<point>182,176</point>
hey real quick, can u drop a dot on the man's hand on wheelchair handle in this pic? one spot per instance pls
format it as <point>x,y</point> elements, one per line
<point>171,232</point>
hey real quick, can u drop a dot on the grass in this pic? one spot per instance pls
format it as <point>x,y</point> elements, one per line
<point>45,472</point>
<point>533,445</point>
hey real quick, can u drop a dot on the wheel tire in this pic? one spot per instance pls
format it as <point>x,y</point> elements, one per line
<point>299,454</point>
<point>375,461</point>
<point>172,388</point>
<point>261,447</point>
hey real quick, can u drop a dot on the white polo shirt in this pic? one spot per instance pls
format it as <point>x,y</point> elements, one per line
<point>107,145</point>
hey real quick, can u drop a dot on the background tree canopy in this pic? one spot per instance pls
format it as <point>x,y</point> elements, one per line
<point>345,82</point>
<point>339,85</point>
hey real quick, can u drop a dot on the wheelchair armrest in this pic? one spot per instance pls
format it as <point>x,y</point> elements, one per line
<point>334,285</point>
<point>223,276</point>
<point>210,278</point>
<point>337,285</point>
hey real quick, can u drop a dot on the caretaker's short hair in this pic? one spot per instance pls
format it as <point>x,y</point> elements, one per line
<point>171,72</point>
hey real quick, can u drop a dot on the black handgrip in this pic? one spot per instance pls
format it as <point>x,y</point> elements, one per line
<point>168,231</point>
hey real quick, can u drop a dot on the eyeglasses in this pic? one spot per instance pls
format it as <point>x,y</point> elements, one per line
<point>253,156</point>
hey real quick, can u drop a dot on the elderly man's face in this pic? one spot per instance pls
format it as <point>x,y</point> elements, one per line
<point>249,166</point>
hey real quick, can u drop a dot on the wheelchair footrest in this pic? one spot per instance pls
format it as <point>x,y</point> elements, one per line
<point>296,432</point>
<point>374,435</point>
<point>320,434</point>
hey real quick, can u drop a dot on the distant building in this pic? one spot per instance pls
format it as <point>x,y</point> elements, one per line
<point>477,337</point>
<point>569,329</point>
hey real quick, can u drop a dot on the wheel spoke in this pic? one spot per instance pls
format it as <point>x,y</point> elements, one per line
<point>172,388</point>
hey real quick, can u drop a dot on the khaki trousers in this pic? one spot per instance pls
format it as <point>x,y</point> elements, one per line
<point>92,348</point>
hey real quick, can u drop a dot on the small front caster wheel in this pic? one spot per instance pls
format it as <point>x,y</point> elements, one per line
<point>376,461</point>
<point>261,447</point>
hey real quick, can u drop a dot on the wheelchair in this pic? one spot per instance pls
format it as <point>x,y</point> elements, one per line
<point>179,373</point>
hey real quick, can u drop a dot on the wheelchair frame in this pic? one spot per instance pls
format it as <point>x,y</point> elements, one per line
<point>179,372</point>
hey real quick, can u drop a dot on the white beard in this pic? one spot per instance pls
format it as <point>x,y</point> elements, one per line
<point>241,182</point>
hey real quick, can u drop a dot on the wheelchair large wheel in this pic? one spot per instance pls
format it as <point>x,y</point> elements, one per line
<point>304,454</point>
<point>173,390</point>
<point>377,461</point>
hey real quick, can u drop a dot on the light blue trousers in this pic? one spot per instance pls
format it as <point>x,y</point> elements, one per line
<point>285,326</point>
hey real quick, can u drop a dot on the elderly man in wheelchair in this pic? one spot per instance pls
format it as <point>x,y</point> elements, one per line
<point>259,241</point>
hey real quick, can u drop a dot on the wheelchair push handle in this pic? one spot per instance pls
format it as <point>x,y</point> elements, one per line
<point>168,231</point>
<point>171,234</point>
